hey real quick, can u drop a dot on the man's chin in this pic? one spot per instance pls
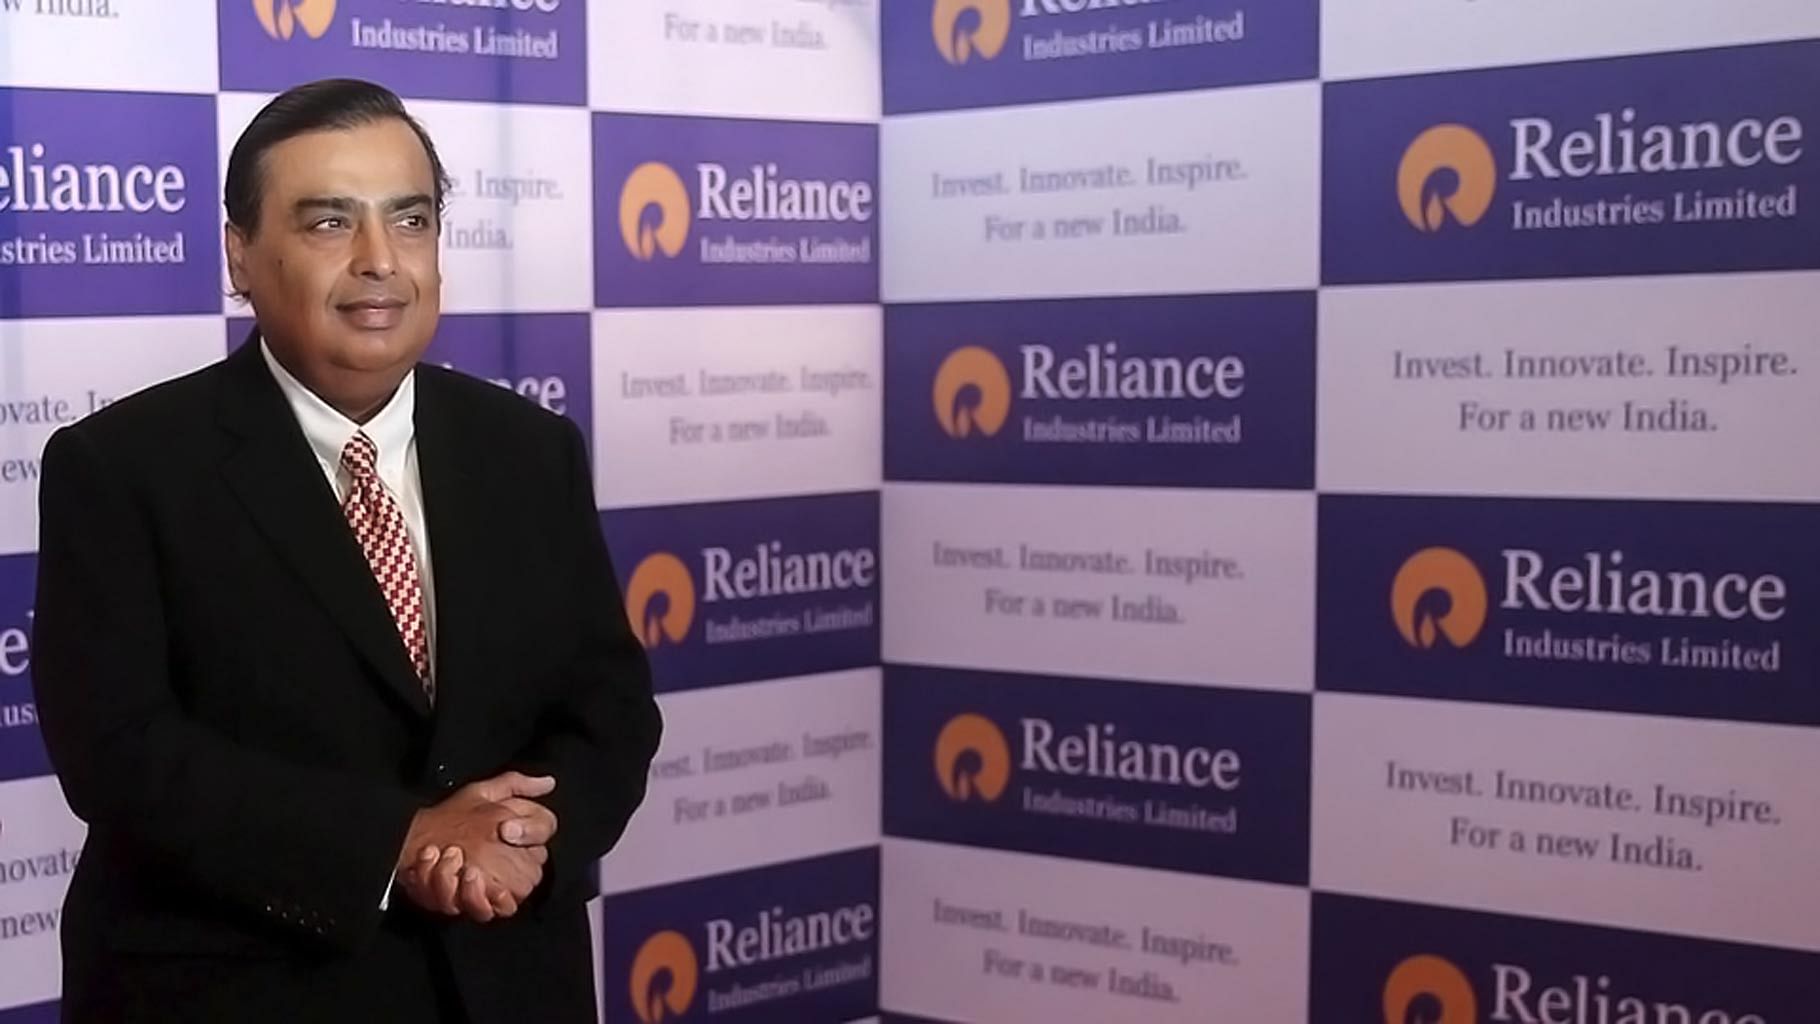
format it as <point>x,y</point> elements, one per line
<point>373,351</point>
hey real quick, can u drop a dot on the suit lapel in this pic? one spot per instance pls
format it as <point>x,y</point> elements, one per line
<point>276,476</point>
<point>452,497</point>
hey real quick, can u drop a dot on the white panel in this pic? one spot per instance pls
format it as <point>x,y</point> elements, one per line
<point>1423,389</point>
<point>513,238</point>
<point>756,774</point>
<point>129,45</point>
<point>723,403</point>
<point>1423,800</point>
<point>1188,192</point>
<point>756,58</point>
<point>40,841</point>
<point>54,372</point>
<point>965,567</point>
<point>1361,38</point>
<point>1136,946</point>
<point>595,934</point>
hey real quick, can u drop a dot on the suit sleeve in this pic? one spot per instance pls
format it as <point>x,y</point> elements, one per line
<point>599,738</point>
<point>308,851</point>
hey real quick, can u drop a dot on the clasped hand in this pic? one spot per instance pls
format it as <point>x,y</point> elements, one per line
<point>480,852</point>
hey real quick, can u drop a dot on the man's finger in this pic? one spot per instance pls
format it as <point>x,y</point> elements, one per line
<point>504,903</point>
<point>418,874</point>
<point>511,784</point>
<point>447,880</point>
<point>474,901</point>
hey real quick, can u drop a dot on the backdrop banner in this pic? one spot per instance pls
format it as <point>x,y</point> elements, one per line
<point>1271,511</point>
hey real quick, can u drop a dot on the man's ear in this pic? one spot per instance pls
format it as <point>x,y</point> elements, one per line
<point>234,243</point>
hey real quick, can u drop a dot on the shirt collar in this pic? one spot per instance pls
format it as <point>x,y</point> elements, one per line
<point>391,430</point>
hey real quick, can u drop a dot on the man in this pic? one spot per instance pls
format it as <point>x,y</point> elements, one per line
<point>329,653</point>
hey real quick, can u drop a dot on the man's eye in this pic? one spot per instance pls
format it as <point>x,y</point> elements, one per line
<point>325,223</point>
<point>416,220</point>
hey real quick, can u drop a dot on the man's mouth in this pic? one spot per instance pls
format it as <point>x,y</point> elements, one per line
<point>360,304</point>
<point>373,314</point>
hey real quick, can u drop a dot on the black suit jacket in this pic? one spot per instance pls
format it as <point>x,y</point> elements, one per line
<point>229,707</point>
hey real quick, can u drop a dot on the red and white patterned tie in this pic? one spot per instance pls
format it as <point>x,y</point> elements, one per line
<point>379,526</point>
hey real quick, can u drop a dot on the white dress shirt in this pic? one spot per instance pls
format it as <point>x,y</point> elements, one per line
<point>393,430</point>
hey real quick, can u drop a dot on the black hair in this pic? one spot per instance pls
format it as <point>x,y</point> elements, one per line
<point>327,105</point>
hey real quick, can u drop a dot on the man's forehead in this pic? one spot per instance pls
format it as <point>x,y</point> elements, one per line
<point>361,162</point>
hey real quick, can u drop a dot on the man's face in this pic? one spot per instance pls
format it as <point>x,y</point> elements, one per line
<point>343,270</point>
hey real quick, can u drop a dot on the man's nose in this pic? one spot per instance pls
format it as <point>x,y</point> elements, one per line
<point>373,253</point>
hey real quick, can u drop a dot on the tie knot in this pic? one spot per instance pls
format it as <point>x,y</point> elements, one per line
<point>360,455</point>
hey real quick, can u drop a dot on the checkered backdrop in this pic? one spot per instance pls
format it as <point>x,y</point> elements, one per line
<point>1337,469</point>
